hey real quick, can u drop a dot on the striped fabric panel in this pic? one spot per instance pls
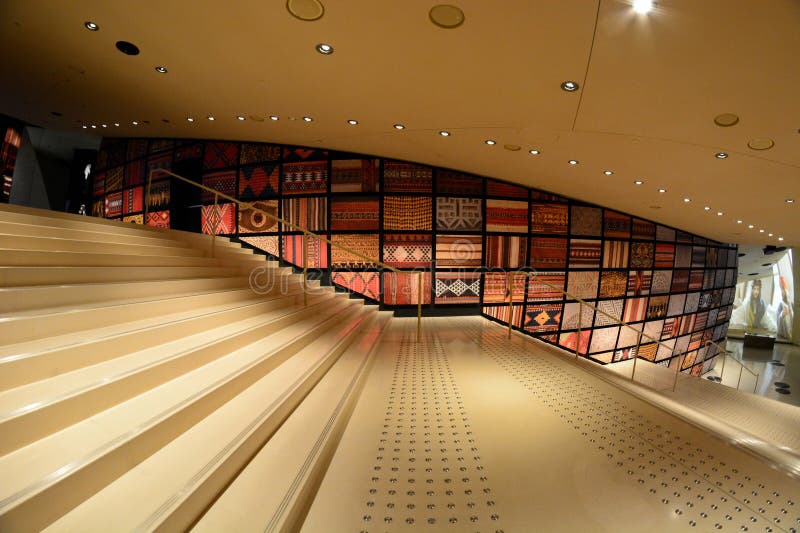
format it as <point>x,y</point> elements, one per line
<point>403,288</point>
<point>635,309</point>
<point>305,178</point>
<point>548,253</point>
<point>615,254</point>
<point>538,291</point>
<point>496,287</point>
<point>584,253</point>
<point>639,282</point>
<point>698,256</point>
<point>507,190</point>
<point>355,213</point>
<point>570,342</point>
<point>505,251</point>
<point>548,218</point>
<point>399,176</point>
<point>643,229</point>
<point>507,216</point>
<point>500,313</point>
<point>316,251</point>
<point>309,213</point>
<point>695,280</point>
<point>616,225</point>
<point>665,234</point>
<point>665,255</point>
<point>458,250</point>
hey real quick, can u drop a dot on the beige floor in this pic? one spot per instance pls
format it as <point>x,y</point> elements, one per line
<point>468,431</point>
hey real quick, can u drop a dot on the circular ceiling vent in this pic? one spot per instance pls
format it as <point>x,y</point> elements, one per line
<point>762,143</point>
<point>307,10</point>
<point>446,16</point>
<point>726,120</point>
<point>127,48</point>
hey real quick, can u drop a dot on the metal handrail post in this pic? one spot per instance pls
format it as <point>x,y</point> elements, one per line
<point>419,303</point>
<point>510,287</point>
<point>636,354</point>
<point>214,230</point>
<point>677,371</point>
<point>578,338</point>
<point>305,269</point>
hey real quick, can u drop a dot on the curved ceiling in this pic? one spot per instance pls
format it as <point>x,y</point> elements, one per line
<point>650,87</point>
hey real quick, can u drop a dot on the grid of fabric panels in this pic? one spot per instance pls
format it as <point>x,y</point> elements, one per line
<point>407,213</point>
<point>459,214</point>
<point>355,213</point>
<point>462,287</point>
<point>506,216</point>
<point>506,251</point>
<point>548,253</point>
<point>307,213</point>
<point>458,250</point>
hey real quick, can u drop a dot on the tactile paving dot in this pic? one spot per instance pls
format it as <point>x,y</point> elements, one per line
<point>427,471</point>
<point>704,491</point>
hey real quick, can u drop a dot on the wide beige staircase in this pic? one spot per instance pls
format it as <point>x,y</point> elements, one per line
<point>140,377</point>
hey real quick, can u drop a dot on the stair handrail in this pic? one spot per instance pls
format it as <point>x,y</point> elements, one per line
<point>616,321</point>
<point>306,234</point>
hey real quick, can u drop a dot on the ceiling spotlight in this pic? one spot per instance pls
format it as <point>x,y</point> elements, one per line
<point>94,127</point>
<point>738,221</point>
<point>399,127</point>
<point>189,119</point>
<point>761,231</point>
<point>642,6</point>
<point>780,238</point>
<point>662,190</point>
<point>104,125</point>
<point>239,117</point>
<point>91,25</point>
<point>573,161</point>
<point>85,126</point>
<point>687,200</point>
<point>750,226</point>
<point>308,119</point>
<point>161,69</point>
<point>490,142</point>
<point>721,155</point>
<point>135,123</point>
<point>352,122</point>
<point>719,213</point>
<point>770,234</point>
<point>706,208</point>
<point>790,200</point>
<point>534,152</point>
<point>273,117</point>
<point>608,172</point>
<point>210,117</point>
<point>444,133</point>
<point>116,124</point>
<point>638,182</point>
<point>570,86</point>
<point>325,49</point>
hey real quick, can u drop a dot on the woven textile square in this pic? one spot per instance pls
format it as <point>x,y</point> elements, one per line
<point>680,280</point>
<point>159,196</point>
<point>711,257</point>
<point>648,351</point>
<point>708,279</point>
<point>549,218</point>
<point>604,339</point>
<point>547,197</point>
<point>612,307</point>
<point>496,287</point>
<point>113,205</point>
<point>355,213</point>
<point>452,182</point>
<point>605,358</point>
<point>223,182</point>
<point>114,179</point>
<point>99,184</point>
<point>584,253</point>
<point>136,148</point>
<point>642,229</point>
<point>355,175</point>
<point>500,313</point>
<point>613,284</point>
<point>701,320</point>
<point>259,153</point>
<point>291,155</point>
<point>258,181</point>
<point>583,284</point>
<point>159,219</point>
<point>570,317</point>
<point>160,161</point>
<point>305,178</point>
<point>308,213</point>
<point>657,307</point>
<point>407,213</point>
<point>698,256</point>
<point>407,177</point>
<point>220,155</point>
<point>652,330</point>
<point>115,150</point>
<point>507,215</point>
<point>365,283</point>
<point>407,250</point>
<point>730,277</point>
<point>544,286</point>
<point>457,287</point>
<point>316,251</point>
<point>134,219</point>
<point>253,221</point>
<point>615,254</point>
<point>402,288</point>
<point>459,214</point>
<point>639,282</point>
<point>571,341</point>
<point>586,220</point>
<point>505,251</point>
<point>616,225</point>
<point>161,145</point>
<point>458,250</point>
<point>267,243</point>
<point>635,309</point>
<point>665,255</point>
<point>188,152</point>
<point>695,280</point>
<point>134,173</point>
<point>628,336</point>
<point>665,234</point>
<point>133,200</point>
<point>362,244</point>
<point>662,281</point>
<point>682,236</point>
<point>713,317</point>
<point>732,257</point>
<point>683,256</point>
<point>548,253</point>
<point>226,217</point>
<point>506,190</point>
<point>676,303</point>
<point>719,280</point>
<point>542,317</point>
<point>642,254</point>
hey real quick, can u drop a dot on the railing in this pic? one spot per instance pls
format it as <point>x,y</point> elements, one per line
<point>640,333</point>
<point>306,235</point>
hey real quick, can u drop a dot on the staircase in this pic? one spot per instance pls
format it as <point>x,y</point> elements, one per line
<point>143,382</point>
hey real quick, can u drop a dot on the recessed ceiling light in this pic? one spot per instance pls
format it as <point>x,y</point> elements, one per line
<point>638,182</point>
<point>104,125</point>
<point>790,200</point>
<point>129,49</point>
<point>726,120</point>
<point>687,200</point>
<point>308,119</point>
<point>161,69</point>
<point>399,127</point>
<point>608,172</point>
<point>490,142</point>
<point>273,117</point>
<point>239,117</point>
<point>770,234</point>
<point>573,161</point>
<point>444,133</point>
<point>570,86</point>
<point>738,221</point>
<point>91,25</point>
<point>750,226</point>
<point>446,16</point>
<point>94,127</point>
<point>135,123</point>
<point>662,190</point>
<point>642,6</point>
<point>721,155</point>
<point>306,10</point>
<point>761,231</point>
<point>762,143</point>
<point>780,238</point>
<point>210,117</point>
<point>189,119</point>
<point>85,126</point>
<point>116,124</point>
<point>534,152</point>
<point>352,122</point>
<point>325,49</point>
<point>720,213</point>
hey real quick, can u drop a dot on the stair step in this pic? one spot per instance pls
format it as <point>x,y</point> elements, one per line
<point>280,481</point>
<point>57,275</point>
<point>88,235</point>
<point>116,247</point>
<point>67,467</point>
<point>17,257</point>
